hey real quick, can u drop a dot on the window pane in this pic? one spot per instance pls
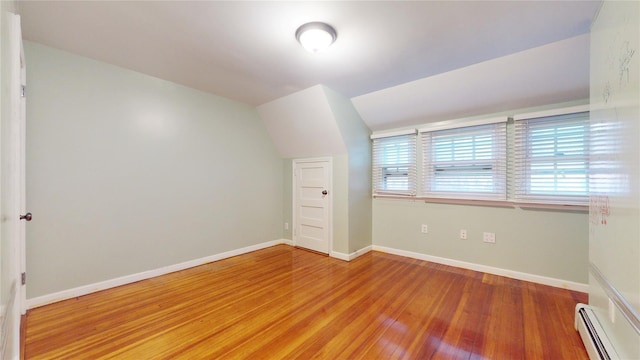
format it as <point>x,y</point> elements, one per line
<point>465,162</point>
<point>561,143</point>
<point>552,158</point>
<point>394,165</point>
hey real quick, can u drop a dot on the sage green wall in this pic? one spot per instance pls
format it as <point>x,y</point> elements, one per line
<point>340,206</point>
<point>539,242</point>
<point>546,243</point>
<point>287,197</point>
<point>128,173</point>
<point>356,136</point>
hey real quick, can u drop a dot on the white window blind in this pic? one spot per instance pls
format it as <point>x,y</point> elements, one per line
<point>465,163</point>
<point>552,159</point>
<point>394,165</point>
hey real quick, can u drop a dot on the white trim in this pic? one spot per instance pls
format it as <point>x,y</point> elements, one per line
<point>393,133</point>
<point>353,255</point>
<point>14,164</point>
<point>294,218</point>
<point>487,202</point>
<point>552,112</point>
<point>281,241</point>
<point>453,124</point>
<point>616,297</point>
<point>331,197</point>
<point>128,279</point>
<point>313,159</point>
<point>544,280</point>
<point>339,256</point>
<point>294,186</point>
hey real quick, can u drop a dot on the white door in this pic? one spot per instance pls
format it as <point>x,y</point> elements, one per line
<point>20,178</point>
<point>12,131</point>
<point>312,204</point>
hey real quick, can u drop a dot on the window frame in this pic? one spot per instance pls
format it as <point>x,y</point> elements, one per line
<point>525,162</point>
<point>472,157</point>
<point>405,163</point>
<point>512,200</point>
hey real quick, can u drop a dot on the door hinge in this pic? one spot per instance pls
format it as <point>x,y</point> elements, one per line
<point>23,278</point>
<point>23,91</point>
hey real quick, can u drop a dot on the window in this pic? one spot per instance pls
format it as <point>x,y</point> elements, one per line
<point>465,162</point>
<point>552,158</point>
<point>394,164</point>
<point>537,158</point>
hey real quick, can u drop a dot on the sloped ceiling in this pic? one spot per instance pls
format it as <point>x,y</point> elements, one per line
<point>246,50</point>
<point>545,75</point>
<point>303,125</point>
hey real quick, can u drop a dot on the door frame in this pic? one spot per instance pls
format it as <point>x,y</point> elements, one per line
<point>294,187</point>
<point>21,159</point>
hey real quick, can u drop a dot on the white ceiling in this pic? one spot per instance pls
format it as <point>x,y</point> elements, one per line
<point>548,75</point>
<point>246,50</point>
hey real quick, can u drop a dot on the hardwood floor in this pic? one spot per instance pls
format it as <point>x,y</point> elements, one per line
<point>287,303</point>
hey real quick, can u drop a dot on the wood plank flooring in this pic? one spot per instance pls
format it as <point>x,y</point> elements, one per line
<point>287,303</point>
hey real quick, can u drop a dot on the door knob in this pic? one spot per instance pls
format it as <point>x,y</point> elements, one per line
<point>26,216</point>
<point>324,192</point>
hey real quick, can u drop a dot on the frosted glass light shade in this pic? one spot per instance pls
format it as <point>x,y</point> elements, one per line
<point>316,36</point>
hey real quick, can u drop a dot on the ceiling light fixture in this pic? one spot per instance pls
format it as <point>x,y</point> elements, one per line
<point>316,36</point>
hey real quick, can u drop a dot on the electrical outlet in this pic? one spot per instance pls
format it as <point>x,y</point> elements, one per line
<point>489,237</point>
<point>424,229</point>
<point>286,226</point>
<point>463,234</point>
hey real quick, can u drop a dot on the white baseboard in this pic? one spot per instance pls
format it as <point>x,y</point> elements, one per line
<point>353,255</point>
<point>103,285</point>
<point>488,269</point>
<point>127,279</point>
<point>285,242</point>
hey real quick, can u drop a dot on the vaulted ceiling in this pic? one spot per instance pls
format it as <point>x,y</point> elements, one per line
<point>247,51</point>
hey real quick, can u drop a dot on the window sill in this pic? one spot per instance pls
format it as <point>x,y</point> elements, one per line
<point>492,203</point>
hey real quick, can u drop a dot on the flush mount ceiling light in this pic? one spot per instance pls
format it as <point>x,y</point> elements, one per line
<point>316,36</point>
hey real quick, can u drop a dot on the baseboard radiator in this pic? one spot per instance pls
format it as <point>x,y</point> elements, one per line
<point>592,334</point>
